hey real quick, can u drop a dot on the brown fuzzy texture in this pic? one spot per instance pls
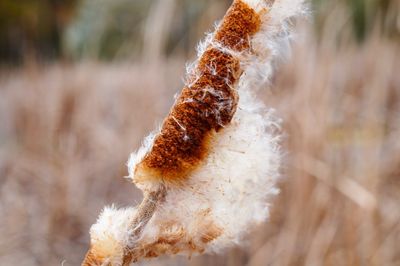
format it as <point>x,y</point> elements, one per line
<point>95,258</point>
<point>173,241</point>
<point>205,106</point>
<point>238,25</point>
<point>92,258</point>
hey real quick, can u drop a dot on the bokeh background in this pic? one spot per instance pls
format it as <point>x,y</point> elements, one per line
<point>82,82</point>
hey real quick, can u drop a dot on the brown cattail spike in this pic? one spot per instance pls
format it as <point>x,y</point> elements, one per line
<point>203,107</point>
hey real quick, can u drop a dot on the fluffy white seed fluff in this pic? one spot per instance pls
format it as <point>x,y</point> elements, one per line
<point>110,234</point>
<point>232,187</point>
<point>258,5</point>
<point>234,183</point>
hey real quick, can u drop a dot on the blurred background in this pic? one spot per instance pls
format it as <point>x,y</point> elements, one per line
<point>82,82</point>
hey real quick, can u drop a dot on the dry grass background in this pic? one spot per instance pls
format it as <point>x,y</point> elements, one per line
<point>67,129</point>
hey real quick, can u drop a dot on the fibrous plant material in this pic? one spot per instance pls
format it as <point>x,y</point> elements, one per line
<point>205,105</point>
<point>217,152</point>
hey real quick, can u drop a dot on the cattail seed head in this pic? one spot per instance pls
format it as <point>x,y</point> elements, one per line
<point>205,106</point>
<point>217,153</point>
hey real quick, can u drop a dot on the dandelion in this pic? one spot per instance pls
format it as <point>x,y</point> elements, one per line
<point>209,171</point>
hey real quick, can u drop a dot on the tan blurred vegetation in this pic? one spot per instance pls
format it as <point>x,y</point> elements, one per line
<point>67,129</point>
<point>123,30</point>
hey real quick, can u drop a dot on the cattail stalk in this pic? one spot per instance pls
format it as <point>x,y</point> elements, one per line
<point>216,153</point>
